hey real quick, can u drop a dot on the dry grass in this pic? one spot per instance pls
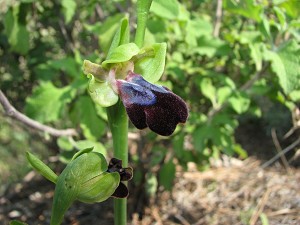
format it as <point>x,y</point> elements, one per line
<point>238,193</point>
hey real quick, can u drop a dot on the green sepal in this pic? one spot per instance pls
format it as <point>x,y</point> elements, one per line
<point>122,53</point>
<point>41,167</point>
<point>152,63</point>
<point>79,153</point>
<point>92,68</point>
<point>121,36</point>
<point>80,180</point>
<point>101,92</point>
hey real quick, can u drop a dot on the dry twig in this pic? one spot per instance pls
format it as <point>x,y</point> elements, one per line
<point>279,149</point>
<point>218,19</point>
<point>12,112</point>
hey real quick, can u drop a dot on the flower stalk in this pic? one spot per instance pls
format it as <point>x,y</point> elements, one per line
<point>118,122</point>
<point>118,119</point>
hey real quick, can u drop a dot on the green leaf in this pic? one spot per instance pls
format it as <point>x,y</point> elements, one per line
<point>167,175</point>
<point>17,222</point>
<point>122,53</point>
<point>256,54</point>
<point>264,219</point>
<point>16,31</point>
<point>168,9</point>
<point>223,93</point>
<point>121,36</point>
<point>48,102</point>
<point>286,65</point>
<point>152,67</point>
<point>195,29</point>
<point>292,8</point>
<point>210,46</point>
<point>246,8</point>
<point>151,184</point>
<point>101,92</point>
<point>64,143</point>
<point>41,167</point>
<point>68,65</point>
<point>84,114</point>
<point>69,7</point>
<point>239,102</point>
<point>281,16</point>
<point>208,90</point>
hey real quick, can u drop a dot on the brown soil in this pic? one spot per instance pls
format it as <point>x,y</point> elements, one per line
<point>233,192</point>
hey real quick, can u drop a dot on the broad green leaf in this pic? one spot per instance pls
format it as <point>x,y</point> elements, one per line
<point>41,167</point>
<point>168,9</point>
<point>69,7</point>
<point>256,54</point>
<point>167,175</point>
<point>208,90</point>
<point>151,184</point>
<point>101,92</point>
<point>286,64</point>
<point>246,8</point>
<point>295,95</point>
<point>48,102</point>
<point>239,102</point>
<point>122,53</point>
<point>84,114</point>
<point>210,47</point>
<point>152,67</point>
<point>292,8</point>
<point>64,143</point>
<point>16,31</point>
<point>265,28</point>
<point>17,222</point>
<point>195,29</point>
<point>223,93</point>
<point>121,36</point>
<point>281,16</point>
<point>68,65</point>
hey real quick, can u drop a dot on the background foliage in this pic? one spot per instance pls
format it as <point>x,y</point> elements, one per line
<point>249,68</point>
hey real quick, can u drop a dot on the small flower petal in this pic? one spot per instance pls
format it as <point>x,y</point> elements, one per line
<point>135,94</point>
<point>163,117</point>
<point>150,105</point>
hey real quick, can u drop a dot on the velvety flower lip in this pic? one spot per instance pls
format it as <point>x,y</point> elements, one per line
<point>150,105</point>
<point>115,165</point>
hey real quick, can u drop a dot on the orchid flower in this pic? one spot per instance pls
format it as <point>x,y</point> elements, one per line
<point>149,105</point>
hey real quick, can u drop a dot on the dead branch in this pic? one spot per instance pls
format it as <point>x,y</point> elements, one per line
<point>13,113</point>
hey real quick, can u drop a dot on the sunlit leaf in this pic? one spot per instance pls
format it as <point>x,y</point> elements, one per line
<point>48,102</point>
<point>84,114</point>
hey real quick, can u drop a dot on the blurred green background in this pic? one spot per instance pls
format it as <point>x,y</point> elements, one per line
<point>237,68</point>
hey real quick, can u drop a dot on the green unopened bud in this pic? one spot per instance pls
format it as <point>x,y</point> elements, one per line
<point>85,179</point>
<point>41,167</point>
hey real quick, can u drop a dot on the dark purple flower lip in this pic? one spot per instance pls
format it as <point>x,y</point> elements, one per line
<point>150,105</point>
<point>115,165</point>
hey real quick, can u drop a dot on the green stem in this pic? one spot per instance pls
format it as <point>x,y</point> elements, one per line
<point>118,119</point>
<point>143,7</point>
<point>118,122</point>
